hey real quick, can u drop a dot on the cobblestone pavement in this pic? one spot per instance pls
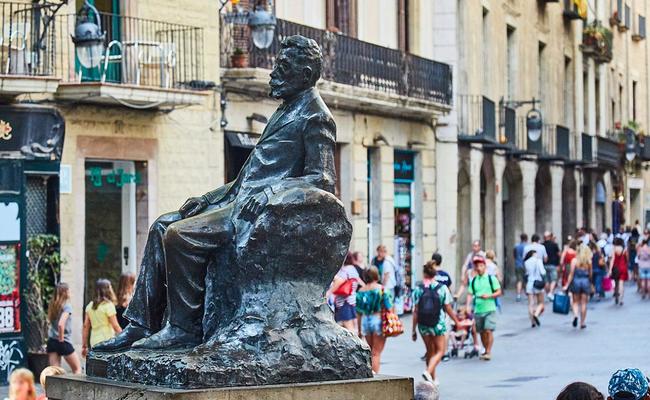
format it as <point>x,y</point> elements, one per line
<point>536,364</point>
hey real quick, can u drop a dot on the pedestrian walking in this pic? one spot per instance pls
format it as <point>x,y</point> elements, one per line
<point>540,250</point>
<point>59,334</point>
<point>643,256</point>
<point>535,285</point>
<point>552,263</point>
<point>371,300</point>
<point>579,284</point>
<point>520,271</point>
<point>125,288</point>
<point>580,391</point>
<point>628,384</point>
<point>568,254</point>
<point>100,323</point>
<point>492,266</point>
<point>344,288</point>
<point>441,275</point>
<point>431,300</point>
<point>599,268</point>
<point>387,269</point>
<point>359,264</point>
<point>618,268</point>
<point>21,385</point>
<point>483,290</point>
<point>467,272</point>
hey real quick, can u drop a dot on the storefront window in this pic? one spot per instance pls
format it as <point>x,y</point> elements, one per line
<point>9,288</point>
<point>404,174</point>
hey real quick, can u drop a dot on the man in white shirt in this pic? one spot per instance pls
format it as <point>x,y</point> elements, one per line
<point>540,250</point>
<point>387,268</point>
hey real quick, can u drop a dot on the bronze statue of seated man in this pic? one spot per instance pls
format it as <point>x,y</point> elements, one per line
<point>296,150</point>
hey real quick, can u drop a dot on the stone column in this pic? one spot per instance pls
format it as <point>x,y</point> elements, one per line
<point>446,192</point>
<point>476,161</point>
<point>557,174</point>
<point>499,162</point>
<point>528,172</point>
<point>593,179</point>
<point>578,180</point>
<point>591,98</point>
<point>387,190</point>
<point>609,192</point>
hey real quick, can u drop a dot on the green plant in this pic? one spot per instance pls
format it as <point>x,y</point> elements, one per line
<point>43,274</point>
<point>634,125</point>
<point>238,52</point>
<point>599,40</point>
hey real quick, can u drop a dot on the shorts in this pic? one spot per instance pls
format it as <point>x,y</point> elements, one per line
<point>438,330</point>
<point>60,348</point>
<point>486,321</point>
<point>371,325</point>
<point>644,273</point>
<point>551,273</point>
<point>346,312</point>
<point>530,289</point>
<point>520,274</point>
<point>580,285</point>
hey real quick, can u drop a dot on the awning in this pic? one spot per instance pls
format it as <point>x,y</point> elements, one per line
<point>242,139</point>
<point>31,132</point>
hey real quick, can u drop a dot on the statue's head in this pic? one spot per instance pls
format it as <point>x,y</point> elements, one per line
<point>297,67</point>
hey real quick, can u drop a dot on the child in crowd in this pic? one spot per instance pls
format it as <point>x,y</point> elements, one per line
<point>21,385</point>
<point>49,371</point>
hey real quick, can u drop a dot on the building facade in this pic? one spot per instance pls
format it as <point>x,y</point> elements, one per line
<point>386,93</point>
<point>583,65</point>
<point>98,147</point>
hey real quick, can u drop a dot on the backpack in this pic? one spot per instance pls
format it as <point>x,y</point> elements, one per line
<point>429,306</point>
<point>489,280</point>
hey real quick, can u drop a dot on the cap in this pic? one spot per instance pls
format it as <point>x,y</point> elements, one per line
<point>630,380</point>
<point>478,259</point>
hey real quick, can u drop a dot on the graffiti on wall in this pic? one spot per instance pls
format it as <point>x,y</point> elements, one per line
<point>11,357</point>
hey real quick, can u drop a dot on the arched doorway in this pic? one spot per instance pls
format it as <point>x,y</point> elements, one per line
<point>513,218</point>
<point>463,217</point>
<point>488,222</point>
<point>543,200</point>
<point>569,212</point>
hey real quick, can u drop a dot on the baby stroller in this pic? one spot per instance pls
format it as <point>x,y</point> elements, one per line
<point>461,338</point>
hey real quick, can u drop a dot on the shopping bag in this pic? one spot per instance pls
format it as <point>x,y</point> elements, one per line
<point>608,285</point>
<point>561,303</point>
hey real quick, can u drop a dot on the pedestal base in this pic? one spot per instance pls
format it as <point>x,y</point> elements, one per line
<point>83,388</point>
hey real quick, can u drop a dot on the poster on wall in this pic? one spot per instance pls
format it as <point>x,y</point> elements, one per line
<point>9,288</point>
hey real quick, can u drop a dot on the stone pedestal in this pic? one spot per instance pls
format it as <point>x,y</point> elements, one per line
<point>84,388</point>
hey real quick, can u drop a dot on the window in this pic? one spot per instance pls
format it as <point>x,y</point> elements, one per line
<point>634,92</point>
<point>403,34</point>
<point>487,76</point>
<point>342,16</point>
<point>510,63</point>
<point>568,92</point>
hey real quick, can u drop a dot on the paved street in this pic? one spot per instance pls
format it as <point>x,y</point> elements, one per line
<point>536,364</point>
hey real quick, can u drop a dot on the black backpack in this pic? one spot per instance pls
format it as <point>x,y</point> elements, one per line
<point>429,306</point>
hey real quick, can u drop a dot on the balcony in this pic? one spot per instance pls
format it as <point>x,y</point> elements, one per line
<point>356,75</point>
<point>608,152</point>
<point>587,148</point>
<point>26,53</point>
<point>477,120</point>
<point>146,64</point>
<point>555,143</point>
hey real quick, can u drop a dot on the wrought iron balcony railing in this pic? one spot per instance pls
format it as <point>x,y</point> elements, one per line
<point>26,47</point>
<point>608,151</point>
<point>137,51</point>
<point>587,148</point>
<point>477,118</point>
<point>354,62</point>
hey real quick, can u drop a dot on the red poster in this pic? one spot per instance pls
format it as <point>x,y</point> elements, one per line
<point>9,288</point>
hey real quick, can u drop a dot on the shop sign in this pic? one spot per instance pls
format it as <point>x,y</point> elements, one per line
<point>9,289</point>
<point>117,177</point>
<point>31,132</point>
<point>404,169</point>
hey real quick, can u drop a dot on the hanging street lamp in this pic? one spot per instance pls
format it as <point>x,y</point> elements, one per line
<point>88,37</point>
<point>260,20</point>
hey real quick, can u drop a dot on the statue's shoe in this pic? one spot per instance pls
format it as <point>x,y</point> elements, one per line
<point>124,340</point>
<point>169,338</point>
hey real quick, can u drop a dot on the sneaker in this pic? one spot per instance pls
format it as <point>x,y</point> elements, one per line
<point>518,298</point>
<point>446,357</point>
<point>427,377</point>
<point>550,297</point>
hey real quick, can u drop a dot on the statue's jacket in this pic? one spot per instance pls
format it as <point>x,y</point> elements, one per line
<point>295,150</point>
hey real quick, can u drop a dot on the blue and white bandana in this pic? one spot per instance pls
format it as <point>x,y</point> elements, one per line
<point>630,380</point>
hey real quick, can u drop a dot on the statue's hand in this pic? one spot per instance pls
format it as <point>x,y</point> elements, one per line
<point>193,206</point>
<point>254,206</point>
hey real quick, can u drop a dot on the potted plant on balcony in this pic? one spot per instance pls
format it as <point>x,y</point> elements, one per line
<point>613,20</point>
<point>597,42</point>
<point>43,273</point>
<point>239,58</point>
